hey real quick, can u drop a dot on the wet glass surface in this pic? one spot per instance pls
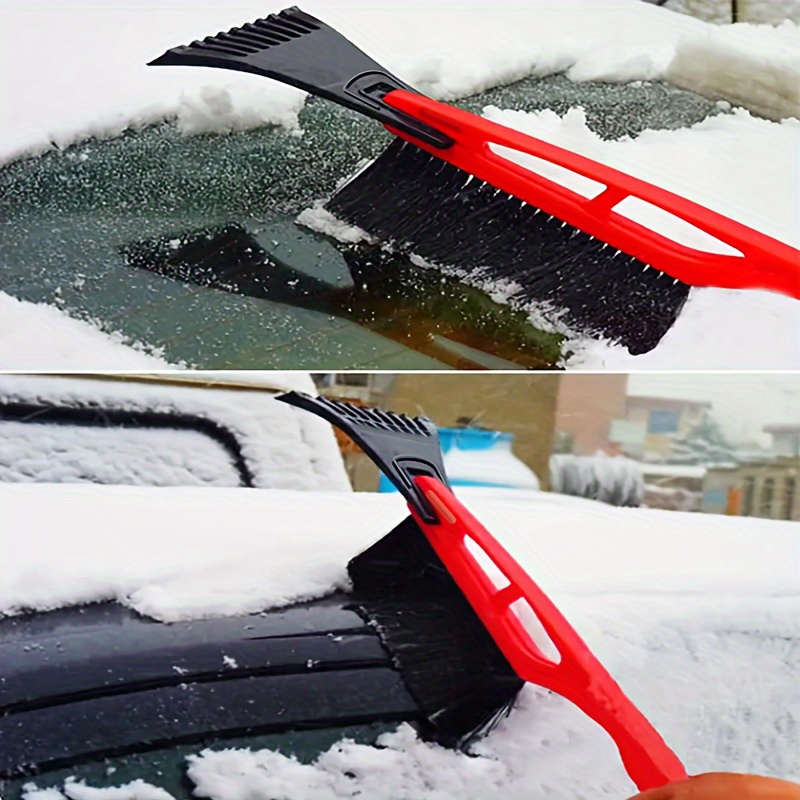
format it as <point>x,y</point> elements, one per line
<point>190,243</point>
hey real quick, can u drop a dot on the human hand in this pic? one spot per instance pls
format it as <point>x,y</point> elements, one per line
<point>724,786</point>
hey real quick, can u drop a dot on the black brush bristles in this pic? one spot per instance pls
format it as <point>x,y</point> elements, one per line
<point>449,661</point>
<point>427,207</point>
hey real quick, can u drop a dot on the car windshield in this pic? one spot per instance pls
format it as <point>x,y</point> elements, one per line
<point>190,243</point>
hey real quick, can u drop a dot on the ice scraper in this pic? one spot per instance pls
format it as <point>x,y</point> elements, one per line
<point>445,190</point>
<point>500,591</point>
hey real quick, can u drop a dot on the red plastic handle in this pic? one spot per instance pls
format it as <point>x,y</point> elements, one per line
<point>765,263</point>
<point>578,676</point>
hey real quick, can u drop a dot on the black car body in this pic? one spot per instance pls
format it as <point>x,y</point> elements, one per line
<point>98,692</point>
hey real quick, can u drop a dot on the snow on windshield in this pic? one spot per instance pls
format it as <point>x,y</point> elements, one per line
<point>743,166</point>
<point>697,616</point>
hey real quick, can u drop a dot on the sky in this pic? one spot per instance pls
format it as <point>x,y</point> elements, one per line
<point>742,403</point>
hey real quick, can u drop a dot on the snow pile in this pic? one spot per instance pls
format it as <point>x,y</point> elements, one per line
<point>740,166</point>
<point>207,552</point>
<point>753,66</point>
<point>702,610</point>
<point>41,337</point>
<point>495,467</point>
<point>282,447</point>
<point>718,329</point>
<point>181,553</point>
<point>617,481</point>
<point>484,458</point>
<point>135,790</point>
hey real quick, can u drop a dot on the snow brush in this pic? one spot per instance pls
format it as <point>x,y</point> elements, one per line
<point>444,192</point>
<point>504,596</point>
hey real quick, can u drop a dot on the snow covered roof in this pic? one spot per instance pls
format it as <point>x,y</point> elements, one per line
<point>59,533</point>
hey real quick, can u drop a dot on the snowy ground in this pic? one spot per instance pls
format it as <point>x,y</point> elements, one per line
<point>698,618</point>
<point>742,166</point>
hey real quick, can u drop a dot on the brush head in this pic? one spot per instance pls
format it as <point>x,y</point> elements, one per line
<point>430,208</point>
<point>448,660</point>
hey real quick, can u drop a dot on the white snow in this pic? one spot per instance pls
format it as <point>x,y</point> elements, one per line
<point>750,65</point>
<point>181,553</point>
<point>61,98</point>
<point>497,466</point>
<point>321,220</point>
<point>81,454</point>
<point>698,618</point>
<point>246,549</point>
<point>615,480</point>
<point>718,329</point>
<point>283,447</point>
<point>75,790</point>
<point>674,470</point>
<point>37,336</point>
